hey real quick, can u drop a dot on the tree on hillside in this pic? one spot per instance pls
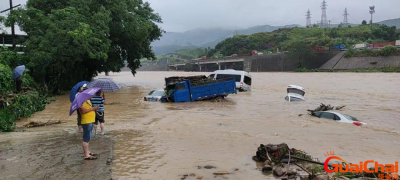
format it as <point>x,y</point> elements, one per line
<point>74,40</point>
<point>364,22</point>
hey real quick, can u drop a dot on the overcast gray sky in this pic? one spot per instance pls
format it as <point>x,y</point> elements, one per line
<point>183,15</point>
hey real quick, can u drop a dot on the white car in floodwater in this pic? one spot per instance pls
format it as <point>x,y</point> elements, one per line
<point>338,117</point>
<point>295,93</point>
<point>155,95</point>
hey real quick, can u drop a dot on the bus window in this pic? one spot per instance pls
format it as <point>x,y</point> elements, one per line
<point>247,80</point>
<point>238,78</point>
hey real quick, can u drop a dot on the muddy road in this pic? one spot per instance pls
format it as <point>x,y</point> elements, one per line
<point>167,141</point>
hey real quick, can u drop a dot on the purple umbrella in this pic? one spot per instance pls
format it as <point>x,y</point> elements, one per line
<point>81,98</point>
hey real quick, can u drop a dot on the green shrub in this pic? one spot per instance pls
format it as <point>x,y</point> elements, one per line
<point>348,54</point>
<point>28,103</point>
<point>5,79</point>
<point>28,81</point>
<point>388,51</point>
<point>7,120</point>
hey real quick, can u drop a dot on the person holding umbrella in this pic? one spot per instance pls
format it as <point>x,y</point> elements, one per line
<point>78,88</point>
<point>17,73</point>
<point>106,85</point>
<point>84,106</point>
<point>98,101</point>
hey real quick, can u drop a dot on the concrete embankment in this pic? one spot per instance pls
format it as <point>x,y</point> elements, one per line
<point>285,62</point>
<point>332,62</point>
<point>367,62</point>
<point>328,60</point>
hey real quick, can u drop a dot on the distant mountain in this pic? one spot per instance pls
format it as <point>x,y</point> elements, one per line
<point>203,38</point>
<point>197,37</point>
<point>391,22</point>
<point>263,28</point>
<point>161,50</point>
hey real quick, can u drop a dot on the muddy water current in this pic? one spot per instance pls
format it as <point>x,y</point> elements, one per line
<point>148,140</point>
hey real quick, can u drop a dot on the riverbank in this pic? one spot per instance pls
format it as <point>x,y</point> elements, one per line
<point>168,141</point>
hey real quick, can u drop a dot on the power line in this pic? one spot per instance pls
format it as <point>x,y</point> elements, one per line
<point>354,20</point>
<point>10,8</point>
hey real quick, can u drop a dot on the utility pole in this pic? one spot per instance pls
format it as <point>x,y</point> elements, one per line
<point>308,15</point>
<point>346,20</point>
<point>371,11</point>
<point>324,19</point>
<point>12,25</point>
<point>329,26</point>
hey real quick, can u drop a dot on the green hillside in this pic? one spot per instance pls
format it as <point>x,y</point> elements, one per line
<point>290,39</point>
<point>182,55</point>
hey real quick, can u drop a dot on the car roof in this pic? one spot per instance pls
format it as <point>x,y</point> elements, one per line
<point>232,71</point>
<point>296,87</point>
<point>333,112</point>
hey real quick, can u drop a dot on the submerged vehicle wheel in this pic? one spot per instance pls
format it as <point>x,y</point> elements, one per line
<point>219,99</point>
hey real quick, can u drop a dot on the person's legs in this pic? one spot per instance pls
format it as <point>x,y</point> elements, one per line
<point>95,124</point>
<point>101,120</point>
<point>102,128</point>
<point>79,128</point>
<point>85,146</point>
<point>87,132</point>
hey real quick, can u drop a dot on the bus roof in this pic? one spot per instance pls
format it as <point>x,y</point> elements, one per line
<point>231,71</point>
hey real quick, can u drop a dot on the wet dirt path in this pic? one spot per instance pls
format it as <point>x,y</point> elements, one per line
<point>168,141</point>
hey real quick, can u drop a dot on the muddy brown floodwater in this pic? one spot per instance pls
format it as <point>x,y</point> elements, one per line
<point>167,141</point>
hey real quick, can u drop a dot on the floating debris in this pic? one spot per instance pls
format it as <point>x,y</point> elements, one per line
<point>39,124</point>
<point>279,160</point>
<point>221,173</point>
<point>324,107</point>
<point>209,167</point>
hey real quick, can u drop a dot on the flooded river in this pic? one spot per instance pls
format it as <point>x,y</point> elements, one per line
<point>167,141</point>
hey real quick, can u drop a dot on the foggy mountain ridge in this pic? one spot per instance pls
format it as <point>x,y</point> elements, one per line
<point>204,38</point>
<point>391,22</point>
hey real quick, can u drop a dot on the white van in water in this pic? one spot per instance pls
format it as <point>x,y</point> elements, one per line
<point>243,79</point>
